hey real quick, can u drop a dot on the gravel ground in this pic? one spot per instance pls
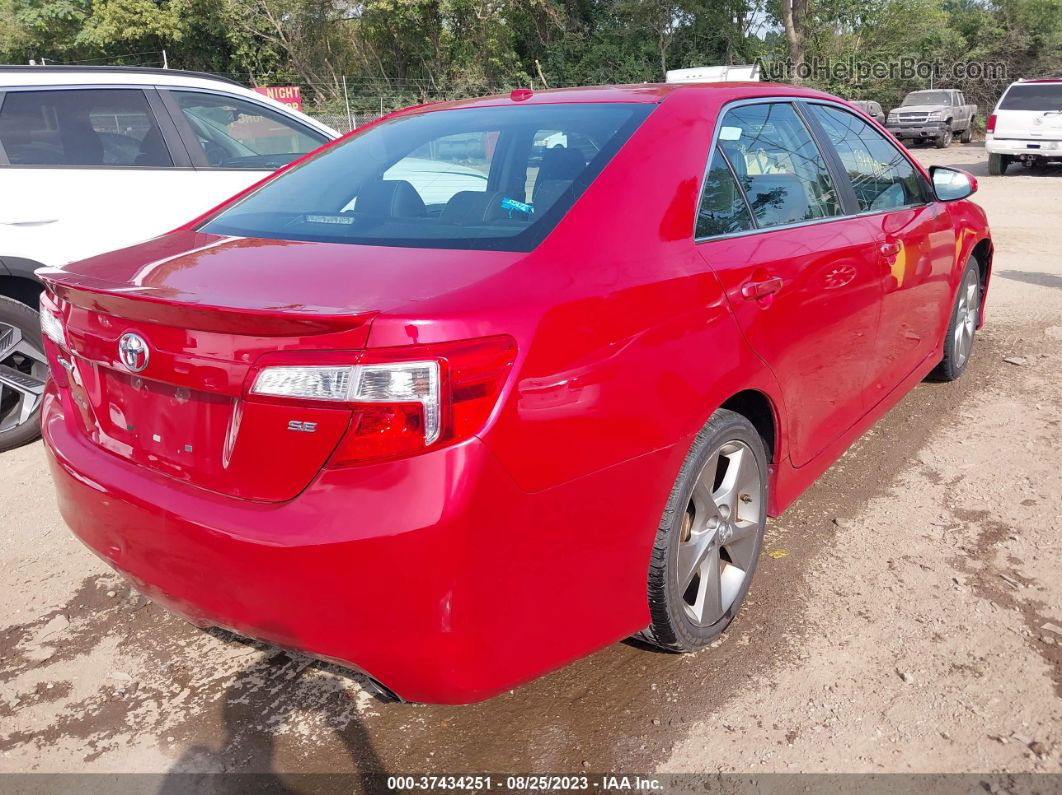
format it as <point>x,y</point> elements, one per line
<point>907,615</point>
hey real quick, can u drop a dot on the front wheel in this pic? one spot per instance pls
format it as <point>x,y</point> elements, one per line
<point>23,371</point>
<point>709,537</point>
<point>997,165</point>
<point>943,140</point>
<point>958,345</point>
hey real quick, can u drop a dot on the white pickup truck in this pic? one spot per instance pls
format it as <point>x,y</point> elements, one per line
<point>1026,125</point>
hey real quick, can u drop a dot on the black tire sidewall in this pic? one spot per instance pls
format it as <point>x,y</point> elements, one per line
<point>27,320</point>
<point>724,426</point>
<point>948,370</point>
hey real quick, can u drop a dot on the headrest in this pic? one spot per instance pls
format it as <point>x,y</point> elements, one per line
<point>390,198</point>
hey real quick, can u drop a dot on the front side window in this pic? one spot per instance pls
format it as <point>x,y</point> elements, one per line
<point>882,178</point>
<point>235,133</point>
<point>86,127</point>
<point>476,178</point>
<point>777,164</point>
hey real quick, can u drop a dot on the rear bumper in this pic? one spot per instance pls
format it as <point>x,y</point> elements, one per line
<point>1023,146</point>
<point>435,575</point>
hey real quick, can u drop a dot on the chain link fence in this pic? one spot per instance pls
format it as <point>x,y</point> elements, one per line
<point>348,102</point>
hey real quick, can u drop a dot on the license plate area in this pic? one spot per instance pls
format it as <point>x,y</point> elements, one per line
<point>170,428</point>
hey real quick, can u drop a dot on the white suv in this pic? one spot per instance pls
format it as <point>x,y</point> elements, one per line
<point>1026,125</point>
<point>98,158</point>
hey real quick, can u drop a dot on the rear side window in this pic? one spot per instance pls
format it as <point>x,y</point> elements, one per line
<point>723,210</point>
<point>881,176</point>
<point>238,134</point>
<point>474,178</point>
<point>1033,96</point>
<point>777,164</point>
<point>88,127</point>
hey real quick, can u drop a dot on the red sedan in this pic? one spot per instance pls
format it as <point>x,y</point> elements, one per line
<point>489,385</point>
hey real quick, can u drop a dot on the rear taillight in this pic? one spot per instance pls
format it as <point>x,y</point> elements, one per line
<point>990,125</point>
<point>52,326</point>
<point>403,400</point>
<point>395,382</point>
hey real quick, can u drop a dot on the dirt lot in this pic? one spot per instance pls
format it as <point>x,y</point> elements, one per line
<point>907,614</point>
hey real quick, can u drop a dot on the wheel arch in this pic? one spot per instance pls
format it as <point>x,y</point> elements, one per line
<point>758,408</point>
<point>982,253</point>
<point>25,291</point>
<point>18,282</point>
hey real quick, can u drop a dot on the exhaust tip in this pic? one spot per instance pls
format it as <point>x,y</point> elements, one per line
<point>382,691</point>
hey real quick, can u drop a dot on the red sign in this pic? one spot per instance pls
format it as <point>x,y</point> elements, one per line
<point>289,95</point>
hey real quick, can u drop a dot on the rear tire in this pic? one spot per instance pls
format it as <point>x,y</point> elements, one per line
<point>967,134</point>
<point>965,313</point>
<point>997,165</point>
<point>23,371</point>
<point>710,536</point>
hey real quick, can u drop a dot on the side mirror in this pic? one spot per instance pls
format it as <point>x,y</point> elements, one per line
<point>951,184</point>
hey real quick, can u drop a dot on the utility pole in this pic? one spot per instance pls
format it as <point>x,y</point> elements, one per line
<point>346,101</point>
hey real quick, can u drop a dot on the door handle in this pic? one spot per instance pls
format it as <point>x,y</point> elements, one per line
<point>754,290</point>
<point>890,250</point>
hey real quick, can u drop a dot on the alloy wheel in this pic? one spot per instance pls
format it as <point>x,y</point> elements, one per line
<point>967,310</point>
<point>717,543</point>
<point>23,371</point>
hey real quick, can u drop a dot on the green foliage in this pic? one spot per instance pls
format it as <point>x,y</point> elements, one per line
<point>419,50</point>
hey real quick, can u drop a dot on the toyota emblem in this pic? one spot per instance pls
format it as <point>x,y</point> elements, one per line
<point>133,351</point>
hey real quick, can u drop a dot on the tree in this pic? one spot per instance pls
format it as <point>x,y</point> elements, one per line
<point>795,19</point>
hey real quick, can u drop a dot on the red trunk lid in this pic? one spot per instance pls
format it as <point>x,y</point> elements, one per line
<point>205,321</point>
<point>207,308</point>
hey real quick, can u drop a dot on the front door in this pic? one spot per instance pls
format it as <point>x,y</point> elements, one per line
<point>801,277</point>
<point>917,245</point>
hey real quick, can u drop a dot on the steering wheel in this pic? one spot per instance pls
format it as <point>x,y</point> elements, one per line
<point>215,153</point>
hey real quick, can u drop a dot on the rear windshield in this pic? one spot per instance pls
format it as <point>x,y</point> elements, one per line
<point>927,98</point>
<point>1033,96</point>
<point>469,178</point>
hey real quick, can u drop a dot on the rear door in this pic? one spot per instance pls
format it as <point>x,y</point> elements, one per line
<point>87,170</point>
<point>916,244</point>
<point>800,274</point>
<point>234,142</point>
<point>1031,111</point>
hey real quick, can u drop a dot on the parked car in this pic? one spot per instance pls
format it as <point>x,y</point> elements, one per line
<point>96,158</point>
<point>458,444</point>
<point>871,108</point>
<point>935,115</point>
<point>1026,125</point>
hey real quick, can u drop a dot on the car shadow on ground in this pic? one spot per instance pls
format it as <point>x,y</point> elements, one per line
<point>1037,278</point>
<point>263,696</point>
